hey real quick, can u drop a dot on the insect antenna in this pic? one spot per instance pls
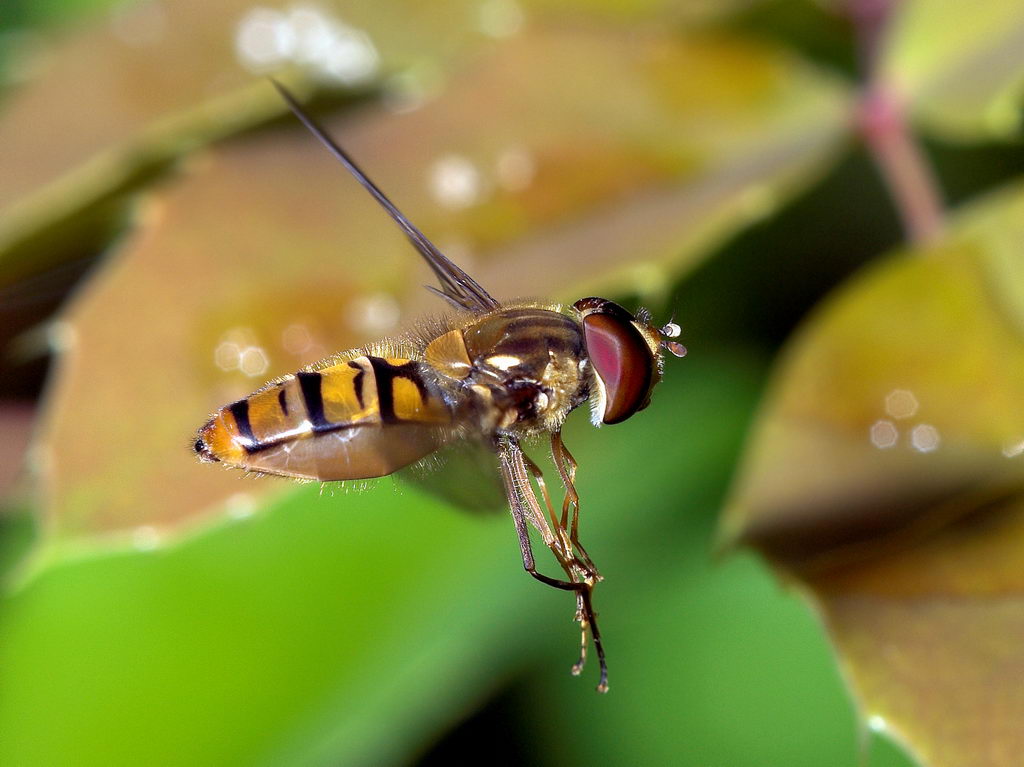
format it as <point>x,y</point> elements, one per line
<point>458,287</point>
<point>671,330</point>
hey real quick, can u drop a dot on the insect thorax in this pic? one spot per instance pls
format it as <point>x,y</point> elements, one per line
<point>519,370</point>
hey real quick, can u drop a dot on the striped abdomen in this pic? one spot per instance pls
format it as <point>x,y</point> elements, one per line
<point>360,418</point>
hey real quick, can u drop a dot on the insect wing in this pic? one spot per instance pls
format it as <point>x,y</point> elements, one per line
<point>457,287</point>
<point>463,474</point>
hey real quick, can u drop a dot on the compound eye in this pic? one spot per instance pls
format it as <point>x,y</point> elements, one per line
<point>622,360</point>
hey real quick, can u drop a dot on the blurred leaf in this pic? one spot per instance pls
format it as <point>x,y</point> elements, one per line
<point>147,81</point>
<point>16,423</point>
<point>664,11</point>
<point>18,533</point>
<point>886,474</point>
<point>346,628</point>
<point>629,153</point>
<point>960,65</point>
<point>150,80</point>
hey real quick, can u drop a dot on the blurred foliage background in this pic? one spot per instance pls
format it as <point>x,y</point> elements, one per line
<point>827,196</point>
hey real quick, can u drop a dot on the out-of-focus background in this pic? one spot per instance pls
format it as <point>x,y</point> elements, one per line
<point>811,539</point>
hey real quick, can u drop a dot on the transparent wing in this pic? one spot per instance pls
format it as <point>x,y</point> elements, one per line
<point>457,287</point>
<point>463,473</point>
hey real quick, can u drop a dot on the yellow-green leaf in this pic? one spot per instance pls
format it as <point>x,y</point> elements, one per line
<point>886,475</point>
<point>960,65</point>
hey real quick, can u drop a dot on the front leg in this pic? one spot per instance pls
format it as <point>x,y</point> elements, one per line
<point>566,466</point>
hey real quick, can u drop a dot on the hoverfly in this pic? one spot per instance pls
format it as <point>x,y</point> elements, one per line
<point>494,373</point>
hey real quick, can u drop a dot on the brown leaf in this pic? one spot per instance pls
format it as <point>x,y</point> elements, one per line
<point>886,475</point>
<point>105,107</point>
<point>109,104</point>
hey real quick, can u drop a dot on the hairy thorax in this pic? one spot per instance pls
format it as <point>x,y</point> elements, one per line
<point>519,370</point>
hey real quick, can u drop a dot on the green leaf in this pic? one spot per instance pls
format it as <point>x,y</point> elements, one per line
<point>625,169</point>
<point>734,672</point>
<point>885,473</point>
<point>960,66</point>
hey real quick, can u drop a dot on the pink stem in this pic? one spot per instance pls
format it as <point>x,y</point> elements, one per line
<point>905,169</point>
<point>883,124</point>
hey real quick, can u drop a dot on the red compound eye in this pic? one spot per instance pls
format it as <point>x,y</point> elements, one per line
<point>622,359</point>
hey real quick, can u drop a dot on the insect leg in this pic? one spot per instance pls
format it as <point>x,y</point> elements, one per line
<point>522,503</point>
<point>567,466</point>
<point>520,495</point>
<point>562,541</point>
<point>566,557</point>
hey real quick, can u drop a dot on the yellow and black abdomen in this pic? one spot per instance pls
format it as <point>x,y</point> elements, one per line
<point>361,418</point>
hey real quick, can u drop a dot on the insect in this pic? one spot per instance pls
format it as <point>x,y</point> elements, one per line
<point>494,373</point>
